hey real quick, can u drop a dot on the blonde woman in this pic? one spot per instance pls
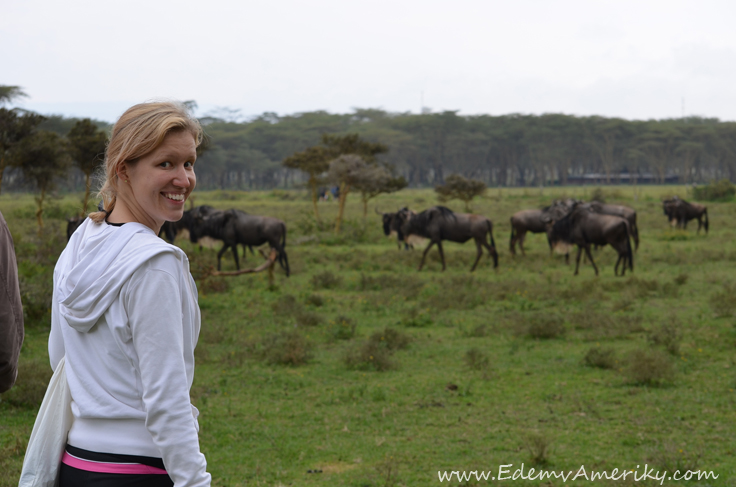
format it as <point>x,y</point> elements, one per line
<point>126,317</point>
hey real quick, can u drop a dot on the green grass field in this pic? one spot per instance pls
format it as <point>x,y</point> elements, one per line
<point>360,371</point>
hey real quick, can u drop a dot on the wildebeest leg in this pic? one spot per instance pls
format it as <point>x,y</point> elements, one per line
<point>480,253</point>
<point>235,254</point>
<point>222,251</point>
<point>577,260</point>
<point>587,252</point>
<point>491,253</point>
<point>700,224</point>
<point>615,268</point>
<point>424,255</point>
<point>442,254</point>
<point>522,235</point>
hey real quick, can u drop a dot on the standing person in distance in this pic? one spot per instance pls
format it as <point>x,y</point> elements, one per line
<point>125,314</point>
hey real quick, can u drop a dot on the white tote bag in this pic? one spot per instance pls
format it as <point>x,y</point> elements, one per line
<point>48,439</point>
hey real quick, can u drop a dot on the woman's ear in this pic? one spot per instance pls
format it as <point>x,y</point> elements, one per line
<point>122,172</point>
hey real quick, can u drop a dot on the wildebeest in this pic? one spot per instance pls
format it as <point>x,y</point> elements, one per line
<point>392,226</point>
<point>440,223</point>
<point>72,224</point>
<point>679,212</point>
<point>235,227</point>
<point>624,212</point>
<point>584,227</point>
<point>171,230</point>
<point>535,221</point>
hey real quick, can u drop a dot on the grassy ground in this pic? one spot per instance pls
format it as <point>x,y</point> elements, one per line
<point>368,373</point>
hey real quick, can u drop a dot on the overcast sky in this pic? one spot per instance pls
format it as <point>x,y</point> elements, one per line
<point>635,59</point>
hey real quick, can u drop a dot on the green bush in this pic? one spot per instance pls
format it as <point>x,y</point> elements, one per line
<point>287,348</point>
<point>649,367</point>
<point>601,357</point>
<point>342,328</point>
<point>722,190</point>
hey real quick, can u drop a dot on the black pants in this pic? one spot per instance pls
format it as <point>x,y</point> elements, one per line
<point>74,477</point>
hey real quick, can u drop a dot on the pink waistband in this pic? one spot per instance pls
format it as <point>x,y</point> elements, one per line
<point>101,467</point>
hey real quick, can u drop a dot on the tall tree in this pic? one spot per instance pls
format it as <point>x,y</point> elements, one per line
<point>10,93</point>
<point>346,171</point>
<point>87,148</point>
<point>314,161</point>
<point>457,187</point>
<point>376,179</point>
<point>43,158</point>
<point>15,125</point>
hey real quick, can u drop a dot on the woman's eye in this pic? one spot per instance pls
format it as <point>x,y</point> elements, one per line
<point>188,164</point>
<point>166,164</point>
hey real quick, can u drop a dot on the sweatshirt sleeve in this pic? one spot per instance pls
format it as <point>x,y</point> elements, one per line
<point>154,306</point>
<point>11,311</point>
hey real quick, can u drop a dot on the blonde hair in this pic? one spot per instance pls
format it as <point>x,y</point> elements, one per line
<point>139,131</point>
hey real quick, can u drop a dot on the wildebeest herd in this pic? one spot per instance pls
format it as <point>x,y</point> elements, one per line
<point>567,224</point>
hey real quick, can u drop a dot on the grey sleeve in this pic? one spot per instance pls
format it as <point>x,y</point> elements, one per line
<point>11,310</point>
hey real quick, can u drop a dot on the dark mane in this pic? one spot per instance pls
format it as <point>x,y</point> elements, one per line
<point>422,219</point>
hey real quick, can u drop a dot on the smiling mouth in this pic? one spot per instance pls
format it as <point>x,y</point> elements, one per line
<point>174,196</point>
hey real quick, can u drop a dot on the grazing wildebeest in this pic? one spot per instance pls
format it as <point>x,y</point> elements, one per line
<point>679,212</point>
<point>72,224</point>
<point>235,227</point>
<point>624,212</point>
<point>535,221</point>
<point>439,223</point>
<point>392,226</point>
<point>583,227</point>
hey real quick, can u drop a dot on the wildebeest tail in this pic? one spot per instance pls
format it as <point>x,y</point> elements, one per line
<point>629,253</point>
<point>283,258</point>
<point>492,242</point>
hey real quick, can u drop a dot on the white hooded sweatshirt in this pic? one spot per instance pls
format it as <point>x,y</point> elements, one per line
<point>125,314</point>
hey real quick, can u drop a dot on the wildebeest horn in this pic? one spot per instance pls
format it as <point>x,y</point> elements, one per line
<point>378,212</point>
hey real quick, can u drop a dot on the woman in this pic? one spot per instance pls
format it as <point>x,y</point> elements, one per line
<point>125,314</point>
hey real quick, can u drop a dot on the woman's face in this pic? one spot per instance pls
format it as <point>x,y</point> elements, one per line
<point>162,180</point>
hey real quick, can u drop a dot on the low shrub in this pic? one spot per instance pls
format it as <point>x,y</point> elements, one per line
<point>326,280</point>
<point>286,305</point>
<point>537,444</point>
<point>417,318</point>
<point>342,328</point>
<point>305,317</point>
<point>376,352</point>
<point>392,338</point>
<point>287,348</point>
<point>315,300</point>
<point>477,359</point>
<point>545,326</point>
<point>649,367</point>
<point>666,335</point>
<point>370,355</point>
<point>723,302</point>
<point>600,357</point>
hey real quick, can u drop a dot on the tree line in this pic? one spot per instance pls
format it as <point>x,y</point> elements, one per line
<point>504,150</point>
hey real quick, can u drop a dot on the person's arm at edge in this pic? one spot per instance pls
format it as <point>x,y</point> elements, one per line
<point>11,310</point>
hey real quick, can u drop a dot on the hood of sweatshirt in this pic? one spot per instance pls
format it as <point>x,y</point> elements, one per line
<point>98,260</point>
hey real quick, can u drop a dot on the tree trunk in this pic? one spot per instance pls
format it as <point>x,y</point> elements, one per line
<point>39,211</point>
<point>313,186</point>
<point>344,189</point>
